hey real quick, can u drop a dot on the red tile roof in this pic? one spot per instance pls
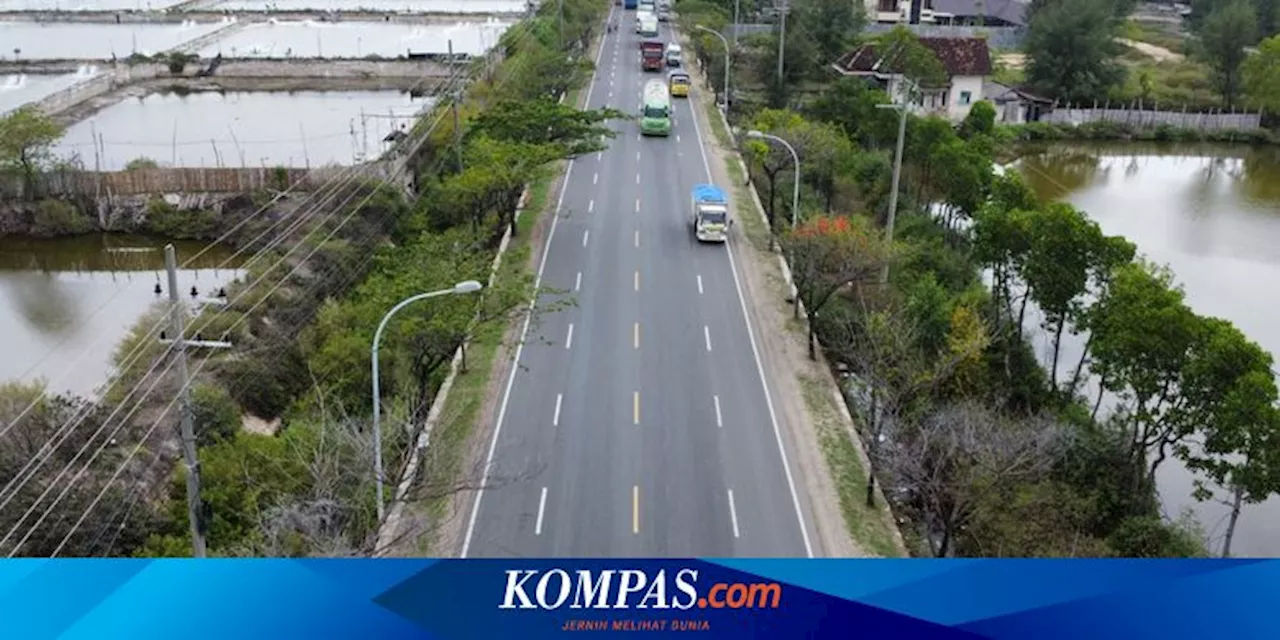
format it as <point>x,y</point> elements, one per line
<point>959,56</point>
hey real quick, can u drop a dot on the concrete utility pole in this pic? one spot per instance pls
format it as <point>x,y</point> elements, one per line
<point>909,89</point>
<point>560,19</point>
<point>782,40</point>
<point>457,96</point>
<point>195,511</point>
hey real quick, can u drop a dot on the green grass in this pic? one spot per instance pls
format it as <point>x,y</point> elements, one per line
<point>869,527</point>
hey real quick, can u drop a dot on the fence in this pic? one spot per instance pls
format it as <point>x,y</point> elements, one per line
<point>177,180</point>
<point>1142,118</point>
<point>997,37</point>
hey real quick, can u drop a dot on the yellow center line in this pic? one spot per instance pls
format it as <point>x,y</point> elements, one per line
<point>635,408</point>
<point>635,509</point>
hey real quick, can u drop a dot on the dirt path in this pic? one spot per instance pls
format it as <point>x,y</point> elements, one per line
<point>1161,54</point>
<point>809,407</point>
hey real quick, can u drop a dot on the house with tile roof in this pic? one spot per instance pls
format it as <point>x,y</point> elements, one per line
<point>967,62</point>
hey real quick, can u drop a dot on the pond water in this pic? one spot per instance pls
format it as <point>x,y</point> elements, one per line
<point>84,41</point>
<point>312,39</point>
<point>241,128</point>
<point>1212,214</point>
<point>66,304</point>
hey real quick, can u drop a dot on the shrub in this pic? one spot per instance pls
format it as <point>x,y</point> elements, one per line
<point>166,220</point>
<point>214,414</point>
<point>59,218</point>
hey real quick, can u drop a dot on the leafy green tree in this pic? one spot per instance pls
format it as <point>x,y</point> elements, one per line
<point>1151,537</point>
<point>1226,32</point>
<point>850,103</point>
<point>26,141</point>
<point>1071,50</point>
<point>1143,335</point>
<point>1261,75</point>
<point>832,25</point>
<point>905,54</point>
<point>1232,393</point>
<point>544,121</point>
<point>964,170</point>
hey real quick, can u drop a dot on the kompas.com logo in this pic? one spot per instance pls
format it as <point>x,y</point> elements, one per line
<point>631,589</point>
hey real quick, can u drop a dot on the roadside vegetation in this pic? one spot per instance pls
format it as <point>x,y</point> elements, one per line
<point>979,448</point>
<point>283,417</point>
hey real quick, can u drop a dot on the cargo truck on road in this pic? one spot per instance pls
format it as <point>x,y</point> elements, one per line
<point>651,53</point>
<point>710,214</point>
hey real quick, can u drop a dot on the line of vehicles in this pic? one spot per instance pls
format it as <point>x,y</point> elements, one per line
<point>708,207</point>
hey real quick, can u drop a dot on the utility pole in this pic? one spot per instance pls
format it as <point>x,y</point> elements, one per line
<point>897,176</point>
<point>560,18</point>
<point>457,95</point>
<point>782,40</point>
<point>736,7</point>
<point>195,511</point>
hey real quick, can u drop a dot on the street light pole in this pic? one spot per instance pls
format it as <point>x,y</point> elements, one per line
<point>782,40</point>
<point>728,64</point>
<point>795,193</point>
<point>468,286</point>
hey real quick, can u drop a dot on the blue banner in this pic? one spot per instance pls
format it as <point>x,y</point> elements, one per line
<point>454,599</point>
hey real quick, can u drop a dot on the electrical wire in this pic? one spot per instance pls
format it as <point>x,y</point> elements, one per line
<point>241,319</point>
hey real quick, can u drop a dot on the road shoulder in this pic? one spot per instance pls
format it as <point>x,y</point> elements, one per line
<point>818,431</point>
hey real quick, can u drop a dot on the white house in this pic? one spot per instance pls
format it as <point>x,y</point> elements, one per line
<point>898,10</point>
<point>967,62</point>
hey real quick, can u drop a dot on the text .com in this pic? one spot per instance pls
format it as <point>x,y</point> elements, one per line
<point>631,589</point>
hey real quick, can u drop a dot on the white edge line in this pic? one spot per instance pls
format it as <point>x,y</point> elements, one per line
<point>524,332</point>
<point>755,352</point>
<point>542,507</point>
<point>733,512</point>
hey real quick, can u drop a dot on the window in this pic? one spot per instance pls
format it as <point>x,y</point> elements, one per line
<point>887,5</point>
<point>655,112</point>
<point>966,97</point>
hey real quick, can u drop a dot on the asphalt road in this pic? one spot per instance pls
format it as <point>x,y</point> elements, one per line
<point>637,423</point>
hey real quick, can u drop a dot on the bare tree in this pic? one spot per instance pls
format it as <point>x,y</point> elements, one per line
<point>948,461</point>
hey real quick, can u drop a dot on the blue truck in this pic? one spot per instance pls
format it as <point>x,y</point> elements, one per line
<point>710,209</point>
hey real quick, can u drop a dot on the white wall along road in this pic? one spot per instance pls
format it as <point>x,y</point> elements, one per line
<point>763,513</point>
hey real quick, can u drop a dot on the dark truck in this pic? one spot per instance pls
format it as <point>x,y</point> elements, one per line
<point>651,52</point>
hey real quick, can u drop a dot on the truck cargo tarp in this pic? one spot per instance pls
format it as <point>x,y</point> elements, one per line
<point>708,194</point>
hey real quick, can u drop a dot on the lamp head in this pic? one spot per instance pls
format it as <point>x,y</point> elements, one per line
<point>467,286</point>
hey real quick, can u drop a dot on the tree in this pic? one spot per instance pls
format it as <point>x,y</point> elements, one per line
<point>851,104</point>
<point>1143,334</point>
<point>826,255</point>
<point>772,158</point>
<point>1261,75</point>
<point>1066,249</point>
<point>26,139</point>
<point>1232,393</point>
<point>951,460</point>
<point>1226,32</point>
<point>1071,50</point>
<point>831,25</point>
<point>544,121</point>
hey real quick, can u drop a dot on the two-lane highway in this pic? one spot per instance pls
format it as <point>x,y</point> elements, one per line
<point>638,422</point>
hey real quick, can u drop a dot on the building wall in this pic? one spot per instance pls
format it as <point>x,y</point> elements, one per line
<point>954,107</point>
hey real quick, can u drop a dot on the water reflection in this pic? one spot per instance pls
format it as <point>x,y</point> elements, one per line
<point>1212,214</point>
<point>65,304</point>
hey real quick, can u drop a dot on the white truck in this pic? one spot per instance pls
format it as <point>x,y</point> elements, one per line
<point>710,214</point>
